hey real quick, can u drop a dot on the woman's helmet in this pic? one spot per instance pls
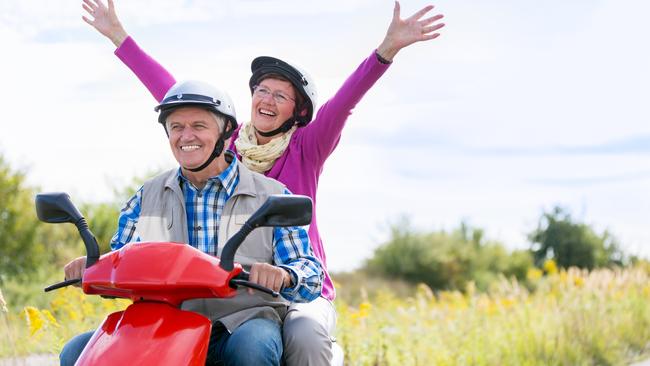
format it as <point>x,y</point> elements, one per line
<point>198,94</point>
<point>301,81</point>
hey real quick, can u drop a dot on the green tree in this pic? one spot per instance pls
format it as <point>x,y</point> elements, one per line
<point>446,260</point>
<point>21,251</point>
<point>570,243</point>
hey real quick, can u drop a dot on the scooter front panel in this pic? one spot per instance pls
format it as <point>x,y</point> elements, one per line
<point>148,333</point>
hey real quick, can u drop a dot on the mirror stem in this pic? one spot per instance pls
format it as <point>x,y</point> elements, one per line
<point>228,252</point>
<point>92,248</point>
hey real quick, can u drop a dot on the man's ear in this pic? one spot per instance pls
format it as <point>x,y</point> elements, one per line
<point>303,112</point>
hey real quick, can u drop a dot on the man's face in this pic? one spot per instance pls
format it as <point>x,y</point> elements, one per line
<point>193,133</point>
<point>266,113</point>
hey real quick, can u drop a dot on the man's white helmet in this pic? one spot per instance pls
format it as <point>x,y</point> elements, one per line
<point>198,94</point>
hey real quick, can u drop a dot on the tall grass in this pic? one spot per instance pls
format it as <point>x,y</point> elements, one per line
<point>29,329</point>
<point>565,318</point>
<point>571,318</point>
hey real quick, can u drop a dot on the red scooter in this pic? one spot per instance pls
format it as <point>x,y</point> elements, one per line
<point>158,277</point>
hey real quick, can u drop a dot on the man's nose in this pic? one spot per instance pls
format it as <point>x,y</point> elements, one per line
<point>187,134</point>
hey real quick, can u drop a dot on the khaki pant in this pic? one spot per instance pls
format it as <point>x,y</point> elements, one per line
<point>307,333</point>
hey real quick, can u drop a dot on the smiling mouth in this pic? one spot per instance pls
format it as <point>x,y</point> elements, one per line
<point>266,112</point>
<point>190,147</point>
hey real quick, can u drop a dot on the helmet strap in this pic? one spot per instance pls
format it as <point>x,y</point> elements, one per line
<point>286,126</point>
<point>218,149</point>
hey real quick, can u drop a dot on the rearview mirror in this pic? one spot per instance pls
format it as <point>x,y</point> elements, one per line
<point>278,210</point>
<point>56,208</point>
<point>283,210</point>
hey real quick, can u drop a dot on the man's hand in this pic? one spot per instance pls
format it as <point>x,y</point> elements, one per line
<point>105,20</point>
<point>75,269</point>
<point>270,276</point>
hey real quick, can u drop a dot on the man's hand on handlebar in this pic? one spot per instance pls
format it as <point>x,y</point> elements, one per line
<point>270,276</point>
<point>75,269</point>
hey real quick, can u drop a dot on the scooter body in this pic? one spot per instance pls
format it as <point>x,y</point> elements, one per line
<point>149,333</point>
<point>153,330</point>
<point>158,277</point>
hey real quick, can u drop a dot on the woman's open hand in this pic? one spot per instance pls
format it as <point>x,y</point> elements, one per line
<point>105,20</point>
<point>404,32</point>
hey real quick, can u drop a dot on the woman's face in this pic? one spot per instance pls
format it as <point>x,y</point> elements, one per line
<point>273,103</point>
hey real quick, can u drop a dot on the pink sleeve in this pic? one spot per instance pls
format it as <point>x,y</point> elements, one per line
<point>152,74</point>
<point>323,133</point>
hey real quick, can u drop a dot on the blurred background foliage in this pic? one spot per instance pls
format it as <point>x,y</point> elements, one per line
<point>493,305</point>
<point>443,260</point>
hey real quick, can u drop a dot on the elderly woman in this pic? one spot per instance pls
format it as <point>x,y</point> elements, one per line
<point>285,141</point>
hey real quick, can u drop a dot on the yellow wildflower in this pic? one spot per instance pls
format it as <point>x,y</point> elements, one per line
<point>354,317</point>
<point>507,303</point>
<point>579,281</point>
<point>34,319</point>
<point>533,274</point>
<point>50,318</point>
<point>73,315</point>
<point>550,267</point>
<point>364,309</point>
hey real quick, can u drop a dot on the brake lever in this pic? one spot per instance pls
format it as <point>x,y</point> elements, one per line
<point>242,280</point>
<point>62,284</point>
<point>237,282</point>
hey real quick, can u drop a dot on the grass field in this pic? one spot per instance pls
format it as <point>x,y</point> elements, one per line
<point>564,318</point>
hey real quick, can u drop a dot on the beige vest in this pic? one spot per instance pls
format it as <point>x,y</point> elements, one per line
<point>163,218</point>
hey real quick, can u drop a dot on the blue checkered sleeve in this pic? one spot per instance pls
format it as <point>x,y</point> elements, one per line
<point>293,253</point>
<point>127,221</point>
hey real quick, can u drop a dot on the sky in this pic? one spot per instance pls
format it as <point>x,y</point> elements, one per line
<point>518,107</point>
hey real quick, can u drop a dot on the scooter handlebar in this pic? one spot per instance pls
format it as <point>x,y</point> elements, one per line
<point>62,284</point>
<point>242,280</point>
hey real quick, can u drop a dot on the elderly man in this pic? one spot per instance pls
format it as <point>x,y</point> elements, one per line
<point>203,203</point>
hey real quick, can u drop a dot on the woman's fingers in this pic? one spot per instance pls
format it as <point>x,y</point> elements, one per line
<point>420,13</point>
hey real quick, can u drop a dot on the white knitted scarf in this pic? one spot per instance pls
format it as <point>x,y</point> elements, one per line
<point>260,158</point>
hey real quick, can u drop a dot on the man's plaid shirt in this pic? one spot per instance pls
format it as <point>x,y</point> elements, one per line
<point>204,208</point>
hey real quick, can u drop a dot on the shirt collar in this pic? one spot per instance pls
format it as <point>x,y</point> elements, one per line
<point>227,178</point>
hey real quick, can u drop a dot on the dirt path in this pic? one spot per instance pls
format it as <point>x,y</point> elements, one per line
<point>33,360</point>
<point>642,363</point>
